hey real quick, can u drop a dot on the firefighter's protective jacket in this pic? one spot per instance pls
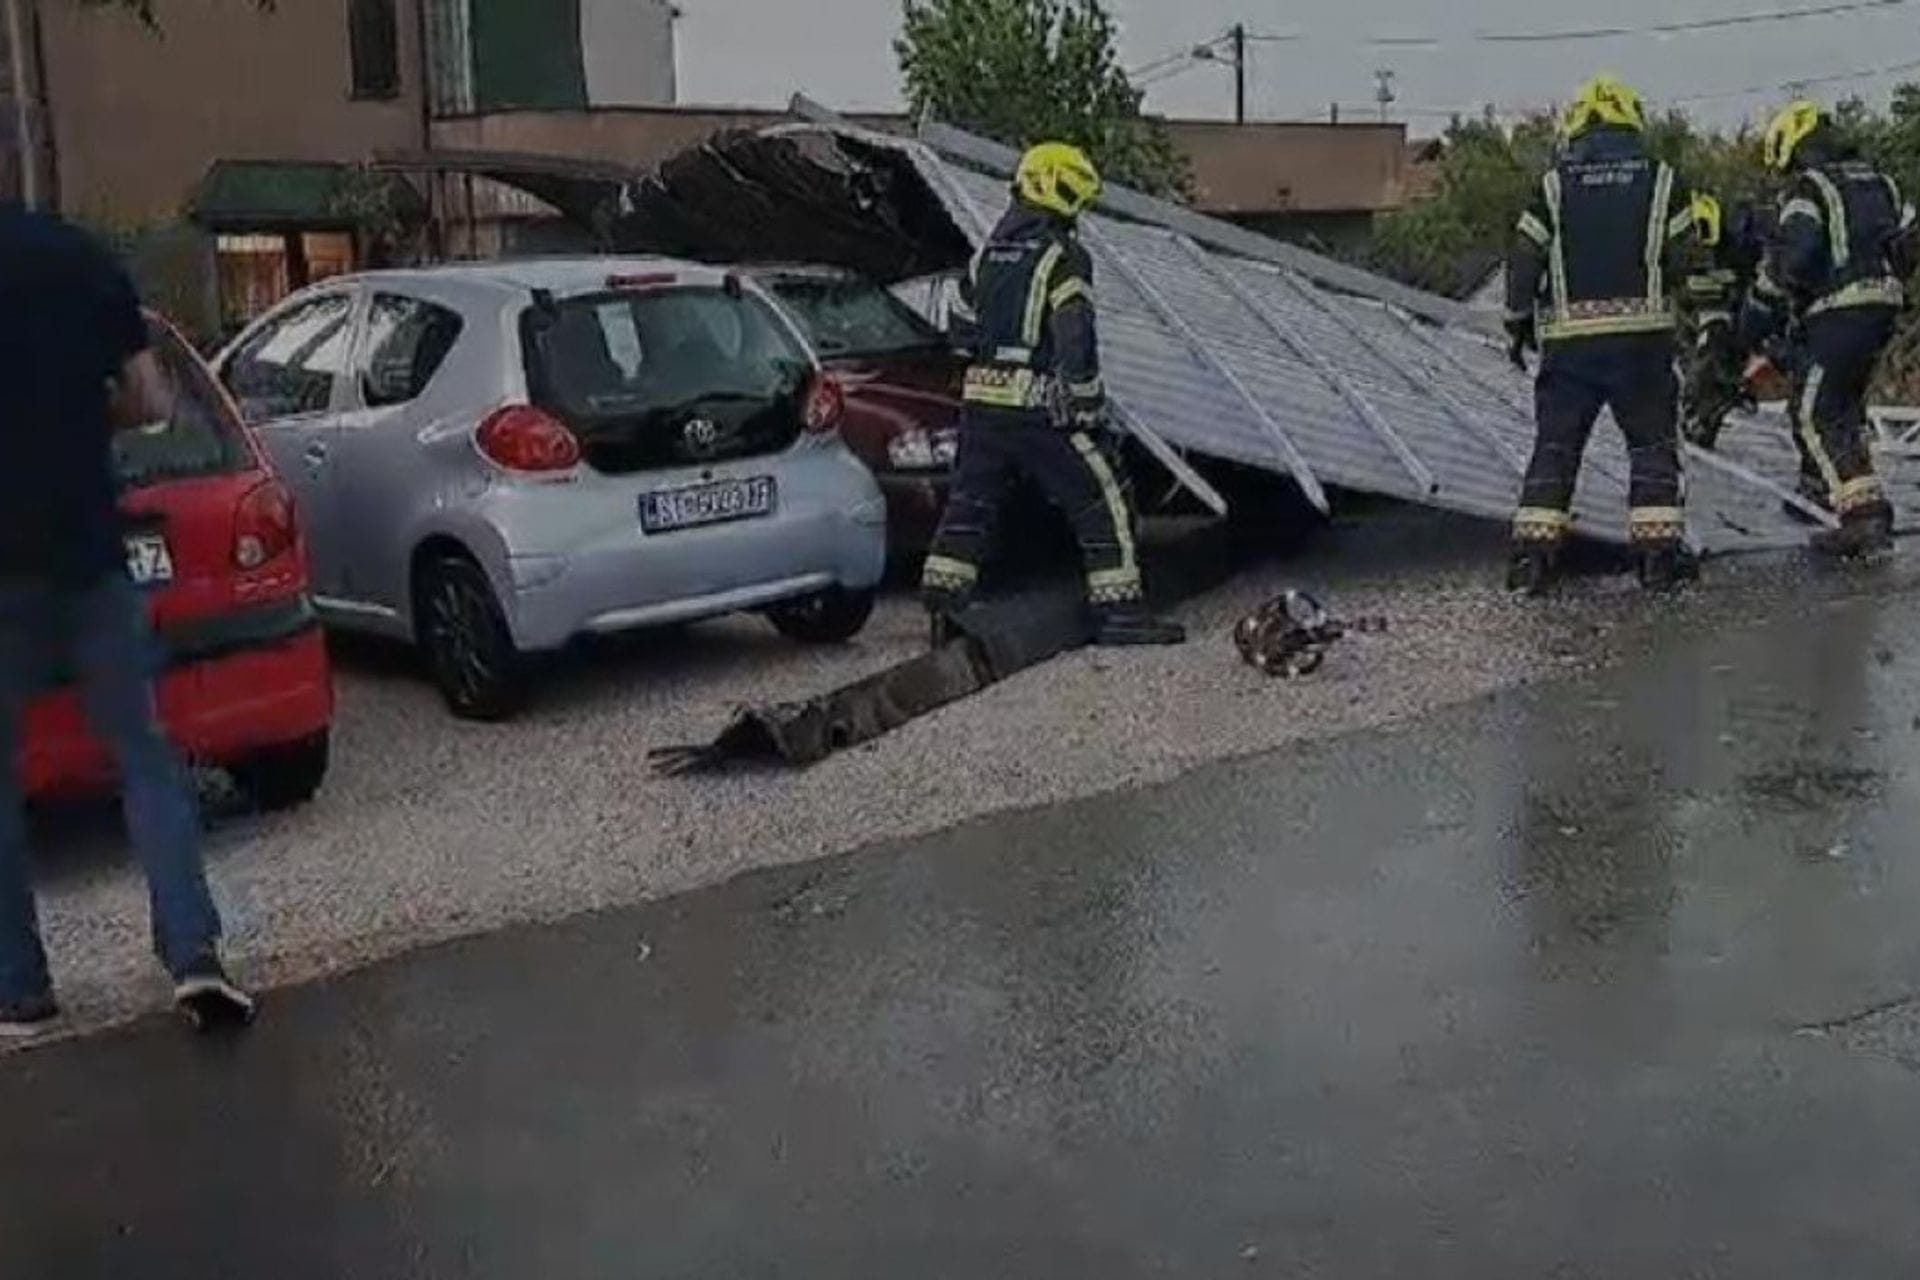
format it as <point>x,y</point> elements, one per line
<point>1030,299</point>
<point>1845,236</point>
<point>1600,243</point>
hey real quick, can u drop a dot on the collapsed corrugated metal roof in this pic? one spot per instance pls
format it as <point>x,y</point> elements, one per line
<point>1217,341</point>
<point>1235,347</point>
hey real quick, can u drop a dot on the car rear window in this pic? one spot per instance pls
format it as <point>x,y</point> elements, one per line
<point>202,438</point>
<point>626,355</point>
<point>854,318</point>
<point>630,371</point>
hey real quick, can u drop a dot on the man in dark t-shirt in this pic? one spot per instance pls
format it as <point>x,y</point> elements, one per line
<point>75,368</point>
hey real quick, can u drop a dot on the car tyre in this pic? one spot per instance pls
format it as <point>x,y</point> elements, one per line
<point>833,616</point>
<point>284,777</point>
<point>464,638</point>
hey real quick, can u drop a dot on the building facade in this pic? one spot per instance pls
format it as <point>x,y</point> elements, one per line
<point>242,132</point>
<point>228,145</point>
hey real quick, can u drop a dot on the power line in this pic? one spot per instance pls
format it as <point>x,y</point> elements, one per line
<point>1177,57</point>
<point>1839,77</point>
<point>1683,28</point>
<point>1523,110</point>
<point>1830,8</point>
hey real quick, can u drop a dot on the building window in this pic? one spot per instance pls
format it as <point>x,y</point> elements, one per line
<point>373,32</point>
<point>257,269</point>
<point>450,45</point>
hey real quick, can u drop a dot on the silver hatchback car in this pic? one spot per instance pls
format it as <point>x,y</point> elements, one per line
<point>494,460</point>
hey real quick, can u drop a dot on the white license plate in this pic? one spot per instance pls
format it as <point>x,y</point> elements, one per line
<point>149,563</point>
<point>664,510</point>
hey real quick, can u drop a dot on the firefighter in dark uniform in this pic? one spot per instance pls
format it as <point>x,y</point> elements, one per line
<point>1845,242</point>
<point>1036,407</point>
<point>1729,248</point>
<point>1588,285</point>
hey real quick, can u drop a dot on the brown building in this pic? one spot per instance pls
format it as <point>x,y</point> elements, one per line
<point>240,133</point>
<point>232,145</point>
<point>1296,181</point>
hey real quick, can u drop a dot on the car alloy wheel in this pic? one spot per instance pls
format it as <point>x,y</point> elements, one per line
<point>467,643</point>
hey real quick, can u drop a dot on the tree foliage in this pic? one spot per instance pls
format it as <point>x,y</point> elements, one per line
<point>1486,174</point>
<point>1026,71</point>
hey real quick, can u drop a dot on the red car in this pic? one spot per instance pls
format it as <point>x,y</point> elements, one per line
<point>902,382</point>
<point>211,534</point>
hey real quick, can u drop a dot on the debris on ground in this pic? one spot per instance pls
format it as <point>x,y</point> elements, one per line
<point>1288,636</point>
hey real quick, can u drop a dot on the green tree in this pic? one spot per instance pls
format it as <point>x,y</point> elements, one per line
<point>1486,177</point>
<point>1026,71</point>
<point>1486,174</point>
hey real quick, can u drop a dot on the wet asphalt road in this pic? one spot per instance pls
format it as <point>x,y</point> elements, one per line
<point>1612,976</point>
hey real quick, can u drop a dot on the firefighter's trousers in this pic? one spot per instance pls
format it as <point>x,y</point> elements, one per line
<point>1074,473</point>
<point>1631,374</point>
<point>1830,406</point>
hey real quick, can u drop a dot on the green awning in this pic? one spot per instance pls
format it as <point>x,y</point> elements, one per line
<point>292,195</point>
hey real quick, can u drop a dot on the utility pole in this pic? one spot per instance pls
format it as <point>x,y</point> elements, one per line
<point>1383,92</point>
<point>1239,73</point>
<point>26,144</point>
<point>1236,39</point>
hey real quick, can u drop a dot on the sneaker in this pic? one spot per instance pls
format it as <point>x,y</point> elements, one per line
<point>208,999</point>
<point>25,1019</point>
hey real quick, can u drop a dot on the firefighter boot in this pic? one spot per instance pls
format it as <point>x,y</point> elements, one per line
<point>1667,566</point>
<point>1864,533</point>
<point>1533,568</point>
<point>943,609</point>
<point>1129,625</point>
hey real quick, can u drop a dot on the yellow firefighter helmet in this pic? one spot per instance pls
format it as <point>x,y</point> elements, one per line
<point>1789,129</point>
<point>1604,100</point>
<point>1058,177</point>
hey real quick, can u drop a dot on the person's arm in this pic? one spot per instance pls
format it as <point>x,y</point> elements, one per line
<point>139,393</point>
<point>1904,252</point>
<point>1076,342</point>
<point>1527,269</point>
<point>963,311</point>
<point>1802,260</point>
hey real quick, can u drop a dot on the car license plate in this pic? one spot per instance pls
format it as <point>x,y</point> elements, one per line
<point>664,510</point>
<point>149,562</point>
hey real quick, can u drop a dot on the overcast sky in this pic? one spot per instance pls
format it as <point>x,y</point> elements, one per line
<point>840,51</point>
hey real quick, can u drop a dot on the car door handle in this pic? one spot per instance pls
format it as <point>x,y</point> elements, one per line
<point>316,453</point>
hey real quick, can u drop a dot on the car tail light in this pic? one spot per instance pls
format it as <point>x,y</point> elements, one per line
<point>826,403</point>
<point>523,438</point>
<point>264,528</point>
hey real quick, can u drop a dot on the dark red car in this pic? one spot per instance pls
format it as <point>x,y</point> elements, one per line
<point>211,534</point>
<point>902,382</point>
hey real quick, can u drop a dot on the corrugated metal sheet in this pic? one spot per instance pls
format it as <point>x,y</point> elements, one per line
<point>1311,369</point>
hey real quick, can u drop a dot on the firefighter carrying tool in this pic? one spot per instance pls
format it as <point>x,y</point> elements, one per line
<point>1846,241</point>
<point>1035,405</point>
<point>1587,284</point>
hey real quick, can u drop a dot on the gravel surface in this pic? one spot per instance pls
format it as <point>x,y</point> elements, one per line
<point>430,829</point>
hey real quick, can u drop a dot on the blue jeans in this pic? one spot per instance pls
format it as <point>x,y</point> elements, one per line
<point>99,635</point>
